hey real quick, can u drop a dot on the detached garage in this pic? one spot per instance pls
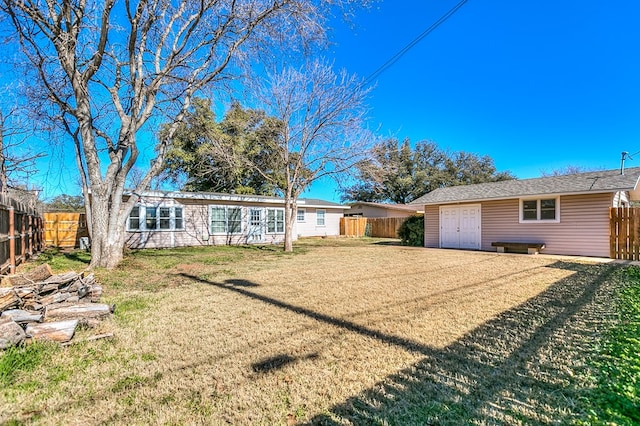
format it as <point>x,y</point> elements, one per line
<point>564,214</point>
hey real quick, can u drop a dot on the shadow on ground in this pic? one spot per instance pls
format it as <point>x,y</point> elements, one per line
<point>518,368</point>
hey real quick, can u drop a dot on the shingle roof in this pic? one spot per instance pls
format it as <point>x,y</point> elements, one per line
<point>218,196</point>
<point>579,183</point>
<point>404,207</point>
<point>316,202</point>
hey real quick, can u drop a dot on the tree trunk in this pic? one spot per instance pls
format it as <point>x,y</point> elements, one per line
<point>289,220</point>
<point>108,227</point>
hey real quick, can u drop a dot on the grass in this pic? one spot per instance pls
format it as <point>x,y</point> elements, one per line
<point>616,397</point>
<point>342,331</point>
<point>17,360</point>
<point>62,261</point>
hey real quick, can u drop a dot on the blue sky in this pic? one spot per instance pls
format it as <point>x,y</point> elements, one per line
<point>535,85</point>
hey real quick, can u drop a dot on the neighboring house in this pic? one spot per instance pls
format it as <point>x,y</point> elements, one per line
<point>367,209</point>
<point>569,214</point>
<point>178,219</point>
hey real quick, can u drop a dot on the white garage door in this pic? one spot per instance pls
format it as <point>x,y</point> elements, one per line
<point>460,227</point>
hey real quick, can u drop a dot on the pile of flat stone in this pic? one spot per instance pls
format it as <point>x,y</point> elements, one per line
<point>39,305</point>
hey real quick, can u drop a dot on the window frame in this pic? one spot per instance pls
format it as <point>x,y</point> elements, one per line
<point>324,217</point>
<point>137,208</point>
<point>227,217</point>
<point>278,219</point>
<point>304,215</point>
<point>538,210</point>
<point>143,218</point>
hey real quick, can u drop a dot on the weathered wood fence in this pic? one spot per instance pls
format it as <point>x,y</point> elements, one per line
<point>64,229</point>
<point>21,234</point>
<point>382,227</point>
<point>624,240</point>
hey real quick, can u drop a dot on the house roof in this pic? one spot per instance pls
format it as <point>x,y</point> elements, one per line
<point>388,206</point>
<point>240,198</point>
<point>580,183</point>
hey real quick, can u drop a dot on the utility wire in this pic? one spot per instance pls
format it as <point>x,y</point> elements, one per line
<point>415,41</point>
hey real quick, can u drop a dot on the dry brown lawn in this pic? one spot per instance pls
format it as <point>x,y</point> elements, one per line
<point>344,332</point>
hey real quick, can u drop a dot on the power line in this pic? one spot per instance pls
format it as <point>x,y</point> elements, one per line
<point>415,41</point>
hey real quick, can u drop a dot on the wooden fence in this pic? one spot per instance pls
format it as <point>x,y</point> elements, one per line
<point>381,227</point>
<point>624,240</point>
<point>64,229</point>
<point>21,234</point>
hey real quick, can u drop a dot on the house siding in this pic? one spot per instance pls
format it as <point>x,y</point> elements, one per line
<point>309,227</point>
<point>196,228</point>
<point>432,226</point>
<point>196,218</point>
<point>583,229</point>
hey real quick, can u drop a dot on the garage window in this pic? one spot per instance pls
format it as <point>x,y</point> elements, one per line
<point>540,210</point>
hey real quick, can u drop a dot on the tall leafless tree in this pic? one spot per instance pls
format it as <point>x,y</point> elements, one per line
<point>109,69</point>
<point>322,132</point>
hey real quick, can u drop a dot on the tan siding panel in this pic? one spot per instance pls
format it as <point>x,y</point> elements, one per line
<point>432,226</point>
<point>583,228</point>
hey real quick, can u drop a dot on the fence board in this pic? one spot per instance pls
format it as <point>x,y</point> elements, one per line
<point>21,234</point>
<point>379,227</point>
<point>624,242</point>
<point>64,229</point>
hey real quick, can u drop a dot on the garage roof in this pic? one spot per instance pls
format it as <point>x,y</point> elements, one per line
<point>579,183</point>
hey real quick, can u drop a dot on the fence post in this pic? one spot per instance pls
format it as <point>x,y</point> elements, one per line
<point>31,217</point>
<point>23,243</point>
<point>41,235</point>
<point>12,241</point>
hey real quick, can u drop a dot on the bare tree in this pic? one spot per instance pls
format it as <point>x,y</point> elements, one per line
<point>17,160</point>
<point>321,118</point>
<point>111,70</point>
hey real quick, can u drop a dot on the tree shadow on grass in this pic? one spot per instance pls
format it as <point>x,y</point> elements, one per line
<point>516,368</point>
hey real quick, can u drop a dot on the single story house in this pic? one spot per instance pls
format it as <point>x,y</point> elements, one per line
<point>372,210</point>
<point>181,219</point>
<point>568,214</point>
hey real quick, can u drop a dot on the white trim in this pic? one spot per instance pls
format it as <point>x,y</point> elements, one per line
<point>211,196</point>
<point>324,218</point>
<point>538,211</point>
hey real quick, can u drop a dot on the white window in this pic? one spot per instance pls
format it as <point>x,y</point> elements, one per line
<point>134,219</point>
<point>275,221</point>
<point>153,218</point>
<point>540,210</point>
<point>300,215</point>
<point>165,217</point>
<point>178,222</point>
<point>255,217</point>
<point>226,220</point>
<point>320,214</point>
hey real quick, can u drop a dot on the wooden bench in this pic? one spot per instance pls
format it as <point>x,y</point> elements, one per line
<point>530,248</point>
